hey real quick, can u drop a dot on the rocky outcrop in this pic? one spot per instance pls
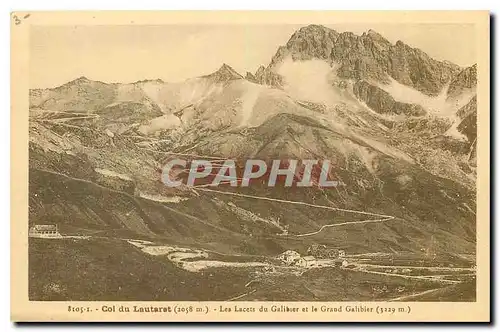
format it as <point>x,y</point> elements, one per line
<point>267,76</point>
<point>250,77</point>
<point>369,56</point>
<point>468,115</point>
<point>382,102</point>
<point>465,80</point>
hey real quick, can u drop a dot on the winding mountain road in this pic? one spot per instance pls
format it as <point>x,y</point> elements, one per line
<point>381,218</point>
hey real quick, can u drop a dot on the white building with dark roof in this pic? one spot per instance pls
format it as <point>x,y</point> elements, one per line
<point>44,231</point>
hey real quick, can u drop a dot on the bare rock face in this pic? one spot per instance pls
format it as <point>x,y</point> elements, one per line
<point>313,41</point>
<point>250,77</point>
<point>468,125</point>
<point>466,79</point>
<point>382,102</point>
<point>224,73</point>
<point>369,56</point>
<point>267,76</point>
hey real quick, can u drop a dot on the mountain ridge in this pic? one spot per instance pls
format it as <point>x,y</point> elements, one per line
<point>369,56</point>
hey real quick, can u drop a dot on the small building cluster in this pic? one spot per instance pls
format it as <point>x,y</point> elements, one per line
<point>317,256</point>
<point>322,251</point>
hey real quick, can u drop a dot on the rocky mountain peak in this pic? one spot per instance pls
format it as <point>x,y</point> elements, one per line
<point>369,56</point>
<point>315,29</point>
<point>466,79</point>
<point>81,79</point>
<point>250,77</point>
<point>376,36</point>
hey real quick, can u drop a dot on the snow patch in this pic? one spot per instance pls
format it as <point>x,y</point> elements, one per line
<point>171,97</point>
<point>367,157</point>
<point>164,122</point>
<point>248,100</point>
<point>152,90</point>
<point>438,105</point>
<point>454,133</point>
<point>309,80</point>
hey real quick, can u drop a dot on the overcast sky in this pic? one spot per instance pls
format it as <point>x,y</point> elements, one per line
<point>172,53</point>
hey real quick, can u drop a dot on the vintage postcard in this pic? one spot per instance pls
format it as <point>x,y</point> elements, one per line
<point>250,166</point>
